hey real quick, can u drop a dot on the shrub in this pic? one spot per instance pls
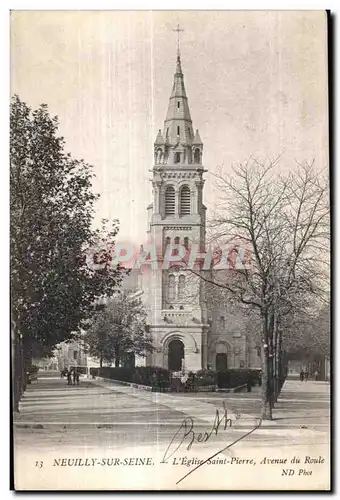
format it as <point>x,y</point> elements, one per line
<point>206,373</point>
<point>236,377</point>
<point>200,379</point>
<point>123,374</point>
<point>94,371</point>
<point>152,376</point>
<point>160,379</point>
<point>203,381</point>
<point>33,369</point>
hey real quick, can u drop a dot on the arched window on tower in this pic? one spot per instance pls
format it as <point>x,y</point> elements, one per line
<point>189,156</point>
<point>170,200</point>
<point>172,287</point>
<point>159,155</point>
<point>177,158</point>
<point>175,252</point>
<point>185,201</point>
<point>186,243</point>
<point>181,287</point>
<point>197,156</point>
<point>222,322</point>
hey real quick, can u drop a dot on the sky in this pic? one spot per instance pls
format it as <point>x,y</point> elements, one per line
<point>256,82</point>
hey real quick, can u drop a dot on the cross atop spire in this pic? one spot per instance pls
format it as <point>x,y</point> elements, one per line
<point>178,29</point>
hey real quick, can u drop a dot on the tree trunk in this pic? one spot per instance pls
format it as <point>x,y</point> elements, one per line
<point>117,356</point>
<point>101,360</point>
<point>274,359</point>
<point>278,363</point>
<point>18,362</point>
<point>266,409</point>
<point>271,375</point>
<point>27,359</point>
<point>21,358</point>
<point>16,366</point>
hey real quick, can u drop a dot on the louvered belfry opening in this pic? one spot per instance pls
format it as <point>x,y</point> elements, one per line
<point>171,287</point>
<point>170,200</point>
<point>181,287</point>
<point>185,201</point>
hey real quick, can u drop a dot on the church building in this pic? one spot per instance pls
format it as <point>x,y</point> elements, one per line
<point>190,332</point>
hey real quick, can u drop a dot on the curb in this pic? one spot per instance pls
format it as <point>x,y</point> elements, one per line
<point>62,426</point>
<point>234,389</point>
<point>128,384</point>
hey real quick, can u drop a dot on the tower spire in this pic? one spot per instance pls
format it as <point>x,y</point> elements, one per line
<point>175,145</point>
<point>178,29</point>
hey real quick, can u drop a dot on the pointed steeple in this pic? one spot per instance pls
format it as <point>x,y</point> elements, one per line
<point>160,139</point>
<point>178,123</point>
<point>197,139</point>
<point>178,145</point>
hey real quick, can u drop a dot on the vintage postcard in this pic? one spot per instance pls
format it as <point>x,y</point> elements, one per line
<point>170,250</point>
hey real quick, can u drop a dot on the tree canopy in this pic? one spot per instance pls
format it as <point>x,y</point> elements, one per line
<point>119,330</point>
<point>282,220</point>
<point>307,333</point>
<point>53,288</point>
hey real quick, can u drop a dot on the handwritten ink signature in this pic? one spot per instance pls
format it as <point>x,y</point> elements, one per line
<point>187,433</point>
<point>257,425</point>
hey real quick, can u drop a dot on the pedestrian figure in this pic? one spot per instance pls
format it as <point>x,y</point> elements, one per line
<point>306,376</point>
<point>316,374</point>
<point>77,378</point>
<point>69,377</point>
<point>74,377</point>
<point>302,375</point>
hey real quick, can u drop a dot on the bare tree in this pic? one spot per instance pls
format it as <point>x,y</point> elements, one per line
<point>284,221</point>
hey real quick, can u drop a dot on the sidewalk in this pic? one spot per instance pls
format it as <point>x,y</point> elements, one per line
<point>302,411</point>
<point>301,406</point>
<point>102,420</point>
<point>305,405</point>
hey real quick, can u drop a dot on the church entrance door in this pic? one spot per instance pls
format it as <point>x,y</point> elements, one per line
<point>221,361</point>
<point>175,355</point>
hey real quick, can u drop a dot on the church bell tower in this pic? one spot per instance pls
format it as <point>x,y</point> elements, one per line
<point>177,315</point>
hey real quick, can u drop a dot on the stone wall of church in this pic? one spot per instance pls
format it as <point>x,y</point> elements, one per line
<point>228,336</point>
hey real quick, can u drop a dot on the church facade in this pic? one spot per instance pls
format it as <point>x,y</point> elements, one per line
<point>190,332</point>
